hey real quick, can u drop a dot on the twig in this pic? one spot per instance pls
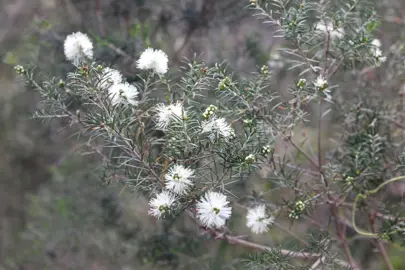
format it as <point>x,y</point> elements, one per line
<point>323,179</point>
<point>235,240</point>
<point>100,18</point>
<point>380,246</point>
<point>310,159</point>
<point>317,263</point>
<point>342,237</point>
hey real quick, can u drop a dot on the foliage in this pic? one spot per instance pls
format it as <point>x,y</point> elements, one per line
<point>225,128</point>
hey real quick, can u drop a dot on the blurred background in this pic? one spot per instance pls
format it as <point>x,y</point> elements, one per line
<point>55,210</point>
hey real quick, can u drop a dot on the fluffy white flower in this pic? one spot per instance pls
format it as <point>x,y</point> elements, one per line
<point>153,59</point>
<point>217,127</point>
<point>328,28</point>
<point>275,61</point>
<point>379,57</point>
<point>376,43</point>
<point>78,46</point>
<point>123,93</point>
<point>213,210</point>
<point>257,219</point>
<point>110,77</point>
<point>161,204</point>
<point>321,83</point>
<point>168,113</point>
<point>377,53</point>
<point>179,179</point>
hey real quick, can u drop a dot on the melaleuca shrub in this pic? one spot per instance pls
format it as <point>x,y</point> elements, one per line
<point>189,138</point>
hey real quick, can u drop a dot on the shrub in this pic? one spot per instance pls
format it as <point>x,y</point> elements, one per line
<point>193,141</point>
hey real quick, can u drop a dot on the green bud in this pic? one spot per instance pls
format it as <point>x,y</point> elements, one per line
<point>266,149</point>
<point>264,70</point>
<point>301,83</point>
<point>250,159</point>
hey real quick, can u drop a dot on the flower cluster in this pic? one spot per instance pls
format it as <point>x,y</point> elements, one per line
<point>299,207</point>
<point>301,83</point>
<point>78,48</point>
<point>224,83</point>
<point>210,111</point>
<point>266,149</point>
<point>212,209</point>
<point>178,180</point>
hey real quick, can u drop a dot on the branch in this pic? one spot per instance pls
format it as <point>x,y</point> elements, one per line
<point>236,240</point>
<point>342,237</point>
<point>380,246</point>
<point>311,160</point>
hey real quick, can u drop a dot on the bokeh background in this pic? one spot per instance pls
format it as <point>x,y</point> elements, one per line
<point>55,210</point>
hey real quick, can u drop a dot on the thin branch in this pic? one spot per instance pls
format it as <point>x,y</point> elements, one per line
<point>236,240</point>
<point>100,18</point>
<point>379,244</point>
<point>341,233</point>
<point>310,159</point>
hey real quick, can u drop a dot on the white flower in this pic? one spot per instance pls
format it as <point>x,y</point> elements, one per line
<point>168,113</point>
<point>275,61</point>
<point>377,53</point>
<point>110,77</point>
<point>161,204</point>
<point>321,83</point>
<point>376,43</point>
<point>328,28</point>
<point>123,93</point>
<point>153,59</point>
<point>178,179</point>
<point>217,127</point>
<point>257,219</point>
<point>77,46</point>
<point>212,210</point>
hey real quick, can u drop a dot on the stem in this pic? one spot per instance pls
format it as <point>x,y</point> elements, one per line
<point>320,144</point>
<point>342,236</point>
<point>380,246</point>
<point>311,160</point>
<point>365,196</point>
<point>235,240</point>
<point>100,18</point>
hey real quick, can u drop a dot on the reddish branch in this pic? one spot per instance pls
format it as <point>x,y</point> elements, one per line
<point>378,242</point>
